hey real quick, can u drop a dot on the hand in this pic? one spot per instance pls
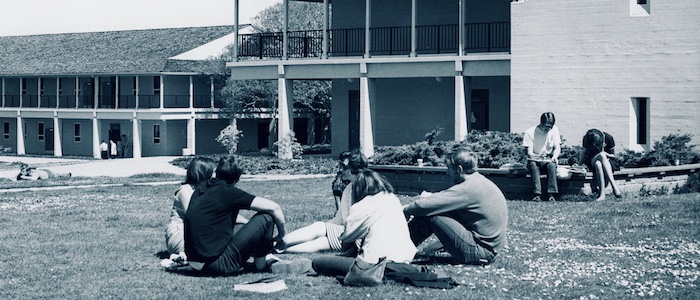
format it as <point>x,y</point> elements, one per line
<point>279,245</point>
<point>555,160</point>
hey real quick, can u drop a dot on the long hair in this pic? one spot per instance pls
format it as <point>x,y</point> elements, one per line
<point>228,170</point>
<point>369,183</point>
<point>200,169</point>
<point>357,161</point>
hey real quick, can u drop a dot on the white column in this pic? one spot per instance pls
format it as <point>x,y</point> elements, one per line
<point>96,100</point>
<point>191,135</point>
<point>95,137</point>
<point>77,91</point>
<point>461,129</point>
<point>58,91</point>
<point>136,137</point>
<point>21,97</point>
<point>191,93</point>
<point>284,110</point>
<point>116,92</point>
<point>38,92</point>
<point>368,15</point>
<point>235,30</point>
<point>137,92</point>
<point>366,135</point>
<point>413,28</point>
<point>460,28</point>
<point>285,34</point>
<point>20,132</point>
<point>162,91</point>
<point>324,54</point>
<point>57,128</point>
<point>211,90</point>
<point>3,92</point>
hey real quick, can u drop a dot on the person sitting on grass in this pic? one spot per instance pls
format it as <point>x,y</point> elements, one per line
<point>210,242</point>
<point>377,220</point>
<point>598,155</point>
<point>33,174</point>
<point>199,170</point>
<point>339,183</point>
<point>321,236</point>
<point>470,218</point>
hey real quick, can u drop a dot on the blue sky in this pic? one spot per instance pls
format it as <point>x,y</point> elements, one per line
<point>23,17</point>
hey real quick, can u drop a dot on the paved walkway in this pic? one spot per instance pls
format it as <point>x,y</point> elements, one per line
<point>122,167</point>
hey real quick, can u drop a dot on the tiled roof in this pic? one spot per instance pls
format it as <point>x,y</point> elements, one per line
<point>111,52</point>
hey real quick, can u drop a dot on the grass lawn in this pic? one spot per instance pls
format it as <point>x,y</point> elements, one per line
<point>96,243</point>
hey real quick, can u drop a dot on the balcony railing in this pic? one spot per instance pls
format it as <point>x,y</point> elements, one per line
<point>109,102</point>
<point>433,39</point>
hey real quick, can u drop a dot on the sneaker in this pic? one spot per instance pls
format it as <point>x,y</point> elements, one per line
<point>298,266</point>
<point>537,199</point>
<point>552,199</point>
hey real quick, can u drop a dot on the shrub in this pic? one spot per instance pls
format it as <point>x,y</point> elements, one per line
<point>288,147</point>
<point>229,137</point>
<point>317,149</point>
<point>692,185</point>
<point>664,153</point>
<point>273,165</point>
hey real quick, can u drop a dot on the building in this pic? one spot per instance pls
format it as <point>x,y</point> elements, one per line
<point>153,91</point>
<point>402,68</point>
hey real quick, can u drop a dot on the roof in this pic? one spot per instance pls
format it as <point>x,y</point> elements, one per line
<point>110,52</point>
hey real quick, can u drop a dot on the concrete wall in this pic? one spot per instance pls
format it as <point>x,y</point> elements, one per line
<point>207,131</point>
<point>70,146</point>
<point>586,60</point>
<point>11,140</point>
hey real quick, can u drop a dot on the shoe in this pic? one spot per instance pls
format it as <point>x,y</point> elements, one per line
<point>537,199</point>
<point>299,266</point>
<point>552,199</point>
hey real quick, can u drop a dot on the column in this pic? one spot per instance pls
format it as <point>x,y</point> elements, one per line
<point>284,111</point>
<point>191,93</point>
<point>235,30</point>
<point>162,92</point>
<point>324,53</point>
<point>20,132</point>
<point>137,91</point>
<point>461,125</point>
<point>39,82</point>
<point>116,92</point>
<point>3,92</point>
<point>368,39</point>
<point>413,28</point>
<point>460,29</point>
<point>191,135</point>
<point>57,129</point>
<point>96,99</point>
<point>366,131</point>
<point>211,90</point>
<point>58,92</point>
<point>136,137</point>
<point>77,91</point>
<point>285,34</point>
<point>95,136</point>
<point>21,97</point>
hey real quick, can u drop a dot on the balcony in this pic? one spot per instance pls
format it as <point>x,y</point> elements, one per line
<point>432,39</point>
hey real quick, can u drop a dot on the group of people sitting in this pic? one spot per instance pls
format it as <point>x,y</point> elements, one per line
<point>207,231</point>
<point>543,146</point>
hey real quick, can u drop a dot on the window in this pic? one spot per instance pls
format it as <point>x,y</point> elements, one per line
<point>156,85</point>
<point>40,130</point>
<point>640,8</point>
<point>6,130</point>
<point>76,132</point>
<point>156,133</point>
<point>640,121</point>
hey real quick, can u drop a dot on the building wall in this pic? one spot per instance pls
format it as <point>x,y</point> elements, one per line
<point>69,145</point>
<point>173,137</point>
<point>11,140</point>
<point>206,133</point>
<point>586,60</point>
<point>32,143</point>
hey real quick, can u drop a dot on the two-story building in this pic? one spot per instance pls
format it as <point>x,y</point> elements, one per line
<point>402,68</point>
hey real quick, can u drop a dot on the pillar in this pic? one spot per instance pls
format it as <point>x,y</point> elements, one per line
<point>284,111</point>
<point>366,131</point>
<point>95,137</point>
<point>191,135</point>
<point>461,125</point>
<point>136,137</point>
<point>57,129</point>
<point>20,134</point>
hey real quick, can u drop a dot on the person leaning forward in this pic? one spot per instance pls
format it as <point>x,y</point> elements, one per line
<point>543,146</point>
<point>470,218</point>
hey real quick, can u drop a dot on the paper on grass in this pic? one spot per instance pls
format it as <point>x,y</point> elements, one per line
<point>261,287</point>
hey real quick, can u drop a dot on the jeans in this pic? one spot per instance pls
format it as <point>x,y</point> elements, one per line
<point>253,239</point>
<point>335,265</point>
<point>535,168</point>
<point>457,240</point>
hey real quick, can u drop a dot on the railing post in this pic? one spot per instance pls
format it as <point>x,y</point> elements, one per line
<point>488,39</point>
<point>260,46</point>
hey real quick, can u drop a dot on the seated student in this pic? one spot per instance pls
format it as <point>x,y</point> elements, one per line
<point>320,236</point>
<point>210,241</point>
<point>598,155</point>
<point>339,183</point>
<point>470,218</point>
<point>377,220</point>
<point>543,146</point>
<point>200,169</point>
<point>29,173</point>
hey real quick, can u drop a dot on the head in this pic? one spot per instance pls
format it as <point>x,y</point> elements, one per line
<point>547,121</point>
<point>200,169</point>
<point>344,158</point>
<point>461,162</point>
<point>355,163</point>
<point>368,183</point>
<point>228,170</point>
<point>595,139</point>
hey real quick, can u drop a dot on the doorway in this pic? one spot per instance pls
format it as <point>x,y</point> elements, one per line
<point>48,139</point>
<point>115,138</point>
<point>479,116</point>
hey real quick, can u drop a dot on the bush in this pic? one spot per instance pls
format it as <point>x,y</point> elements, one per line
<point>317,149</point>
<point>257,164</point>
<point>692,185</point>
<point>664,153</point>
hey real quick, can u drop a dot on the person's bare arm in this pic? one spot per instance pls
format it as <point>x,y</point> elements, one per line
<point>268,206</point>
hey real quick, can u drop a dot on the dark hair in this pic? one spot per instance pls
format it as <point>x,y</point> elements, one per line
<point>595,139</point>
<point>464,159</point>
<point>547,117</point>
<point>228,170</point>
<point>344,155</point>
<point>200,169</point>
<point>357,161</point>
<point>369,183</point>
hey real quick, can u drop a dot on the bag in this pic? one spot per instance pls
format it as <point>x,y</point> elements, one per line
<point>408,274</point>
<point>362,273</point>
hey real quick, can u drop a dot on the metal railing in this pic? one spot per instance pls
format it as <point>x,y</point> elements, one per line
<point>430,39</point>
